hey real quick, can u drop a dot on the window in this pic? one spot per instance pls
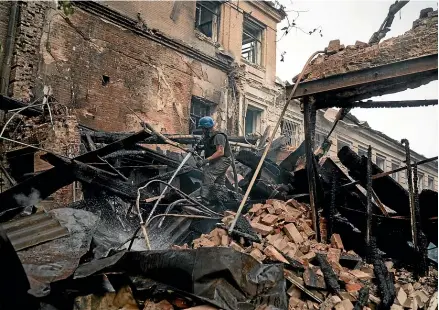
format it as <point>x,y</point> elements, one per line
<point>252,120</point>
<point>395,175</point>
<point>291,130</point>
<point>252,41</point>
<point>199,108</point>
<point>362,151</point>
<point>420,181</point>
<point>380,161</point>
<point>431,183</point>
<point>207,16</point>
<point>342,143</point>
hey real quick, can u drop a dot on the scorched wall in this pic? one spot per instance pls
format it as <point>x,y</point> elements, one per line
<point>104,72</point>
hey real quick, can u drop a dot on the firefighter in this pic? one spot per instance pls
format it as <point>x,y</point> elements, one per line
<point>217,154</point>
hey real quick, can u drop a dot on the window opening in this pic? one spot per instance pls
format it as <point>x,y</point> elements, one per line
<point>252,41</point>
<point>207,18</point>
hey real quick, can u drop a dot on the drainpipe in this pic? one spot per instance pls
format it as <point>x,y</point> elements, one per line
<point>9,47</point>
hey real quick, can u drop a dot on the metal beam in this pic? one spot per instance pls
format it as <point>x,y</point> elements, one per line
<point>424,66</point>
<point>389,104</point>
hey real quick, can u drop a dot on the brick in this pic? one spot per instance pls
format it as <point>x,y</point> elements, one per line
<point>257,254</point>
<point>334,255</point>
<point>225,240</point>
<point>292,233</point>
<point>293,302</point>
<point>293,291</point>
<point>353,287</point>
<point>401,296</point>
<point>236,246</point>
<point>360,274</point>
<point>256,207</point>
<point>333,47</point>
<point>271,252</point>
<point>336,241</point>
<point>261,228</point>
<point>258,246</point>
<point>309,232</point>
<point>269,219</point>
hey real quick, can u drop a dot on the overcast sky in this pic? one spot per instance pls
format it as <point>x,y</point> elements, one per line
<point>357,20</point>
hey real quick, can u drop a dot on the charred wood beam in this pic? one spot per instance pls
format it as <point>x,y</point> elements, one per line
<point>390,192</point>
<point>94,176</point>
<point>109,137</point>
<point>309,128</point>
<point>388,104</point>
<point>44,184</point>
<point>420,68</point>
<point>386,287</point>
<point>7,104</point>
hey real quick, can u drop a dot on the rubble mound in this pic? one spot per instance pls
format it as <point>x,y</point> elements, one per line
<point>320,275</point>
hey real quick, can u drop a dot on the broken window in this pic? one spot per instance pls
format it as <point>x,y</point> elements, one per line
<point>252,120</point>
<point>343,143</point>
<point>199,108</point>
<point>252,40</point>
<point>380,161</point>
<point>207,16</point>
<point>395,175</point>
<point>420,181</point>
<point>362,151</point>
<point>291,130</point>
<point>431,183</point>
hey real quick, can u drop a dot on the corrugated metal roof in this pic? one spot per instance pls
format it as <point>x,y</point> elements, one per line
<point>32,230</point>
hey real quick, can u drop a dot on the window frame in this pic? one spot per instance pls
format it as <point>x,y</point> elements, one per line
<point>379,156</point>
<point>420,181</point>
<point>193,118</point>
<point>257,119</point>
<point>432,182</point>
<point>215,22</point>
<point>395,175</point>
<point>292,141</point>
<point>363,150</point>
<point>257,55</point>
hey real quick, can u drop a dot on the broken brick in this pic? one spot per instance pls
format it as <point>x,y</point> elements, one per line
<point>353,287</point>
<point>257,254</point>
<point>269,219</point>
<point>256,207</point>
<point>336,241</point>
<point>333,47</point>
<point>292,233</point>
<point>261,228</point>
<point>272,253</point>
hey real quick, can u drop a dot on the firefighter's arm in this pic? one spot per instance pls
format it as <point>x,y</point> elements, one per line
<point>219,153</point>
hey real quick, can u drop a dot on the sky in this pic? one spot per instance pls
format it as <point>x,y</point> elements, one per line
<point>353,20</point>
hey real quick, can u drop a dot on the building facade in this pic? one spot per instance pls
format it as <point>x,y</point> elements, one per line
<point>167,62</point>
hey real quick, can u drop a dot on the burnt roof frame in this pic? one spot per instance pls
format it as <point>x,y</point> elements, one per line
<point>332,90</point>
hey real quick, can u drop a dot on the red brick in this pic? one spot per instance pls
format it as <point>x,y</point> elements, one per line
<point>261,228</point>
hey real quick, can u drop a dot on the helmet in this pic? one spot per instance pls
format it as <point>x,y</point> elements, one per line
<point>206,122</point>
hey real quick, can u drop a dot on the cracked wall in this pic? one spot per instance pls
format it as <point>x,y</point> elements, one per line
<point>421,40</point>
<point>143,76</point>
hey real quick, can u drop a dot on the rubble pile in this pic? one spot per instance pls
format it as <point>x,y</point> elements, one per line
<point>320,276</point>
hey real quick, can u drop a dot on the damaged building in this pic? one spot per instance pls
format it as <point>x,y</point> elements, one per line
<point>99,175</point>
